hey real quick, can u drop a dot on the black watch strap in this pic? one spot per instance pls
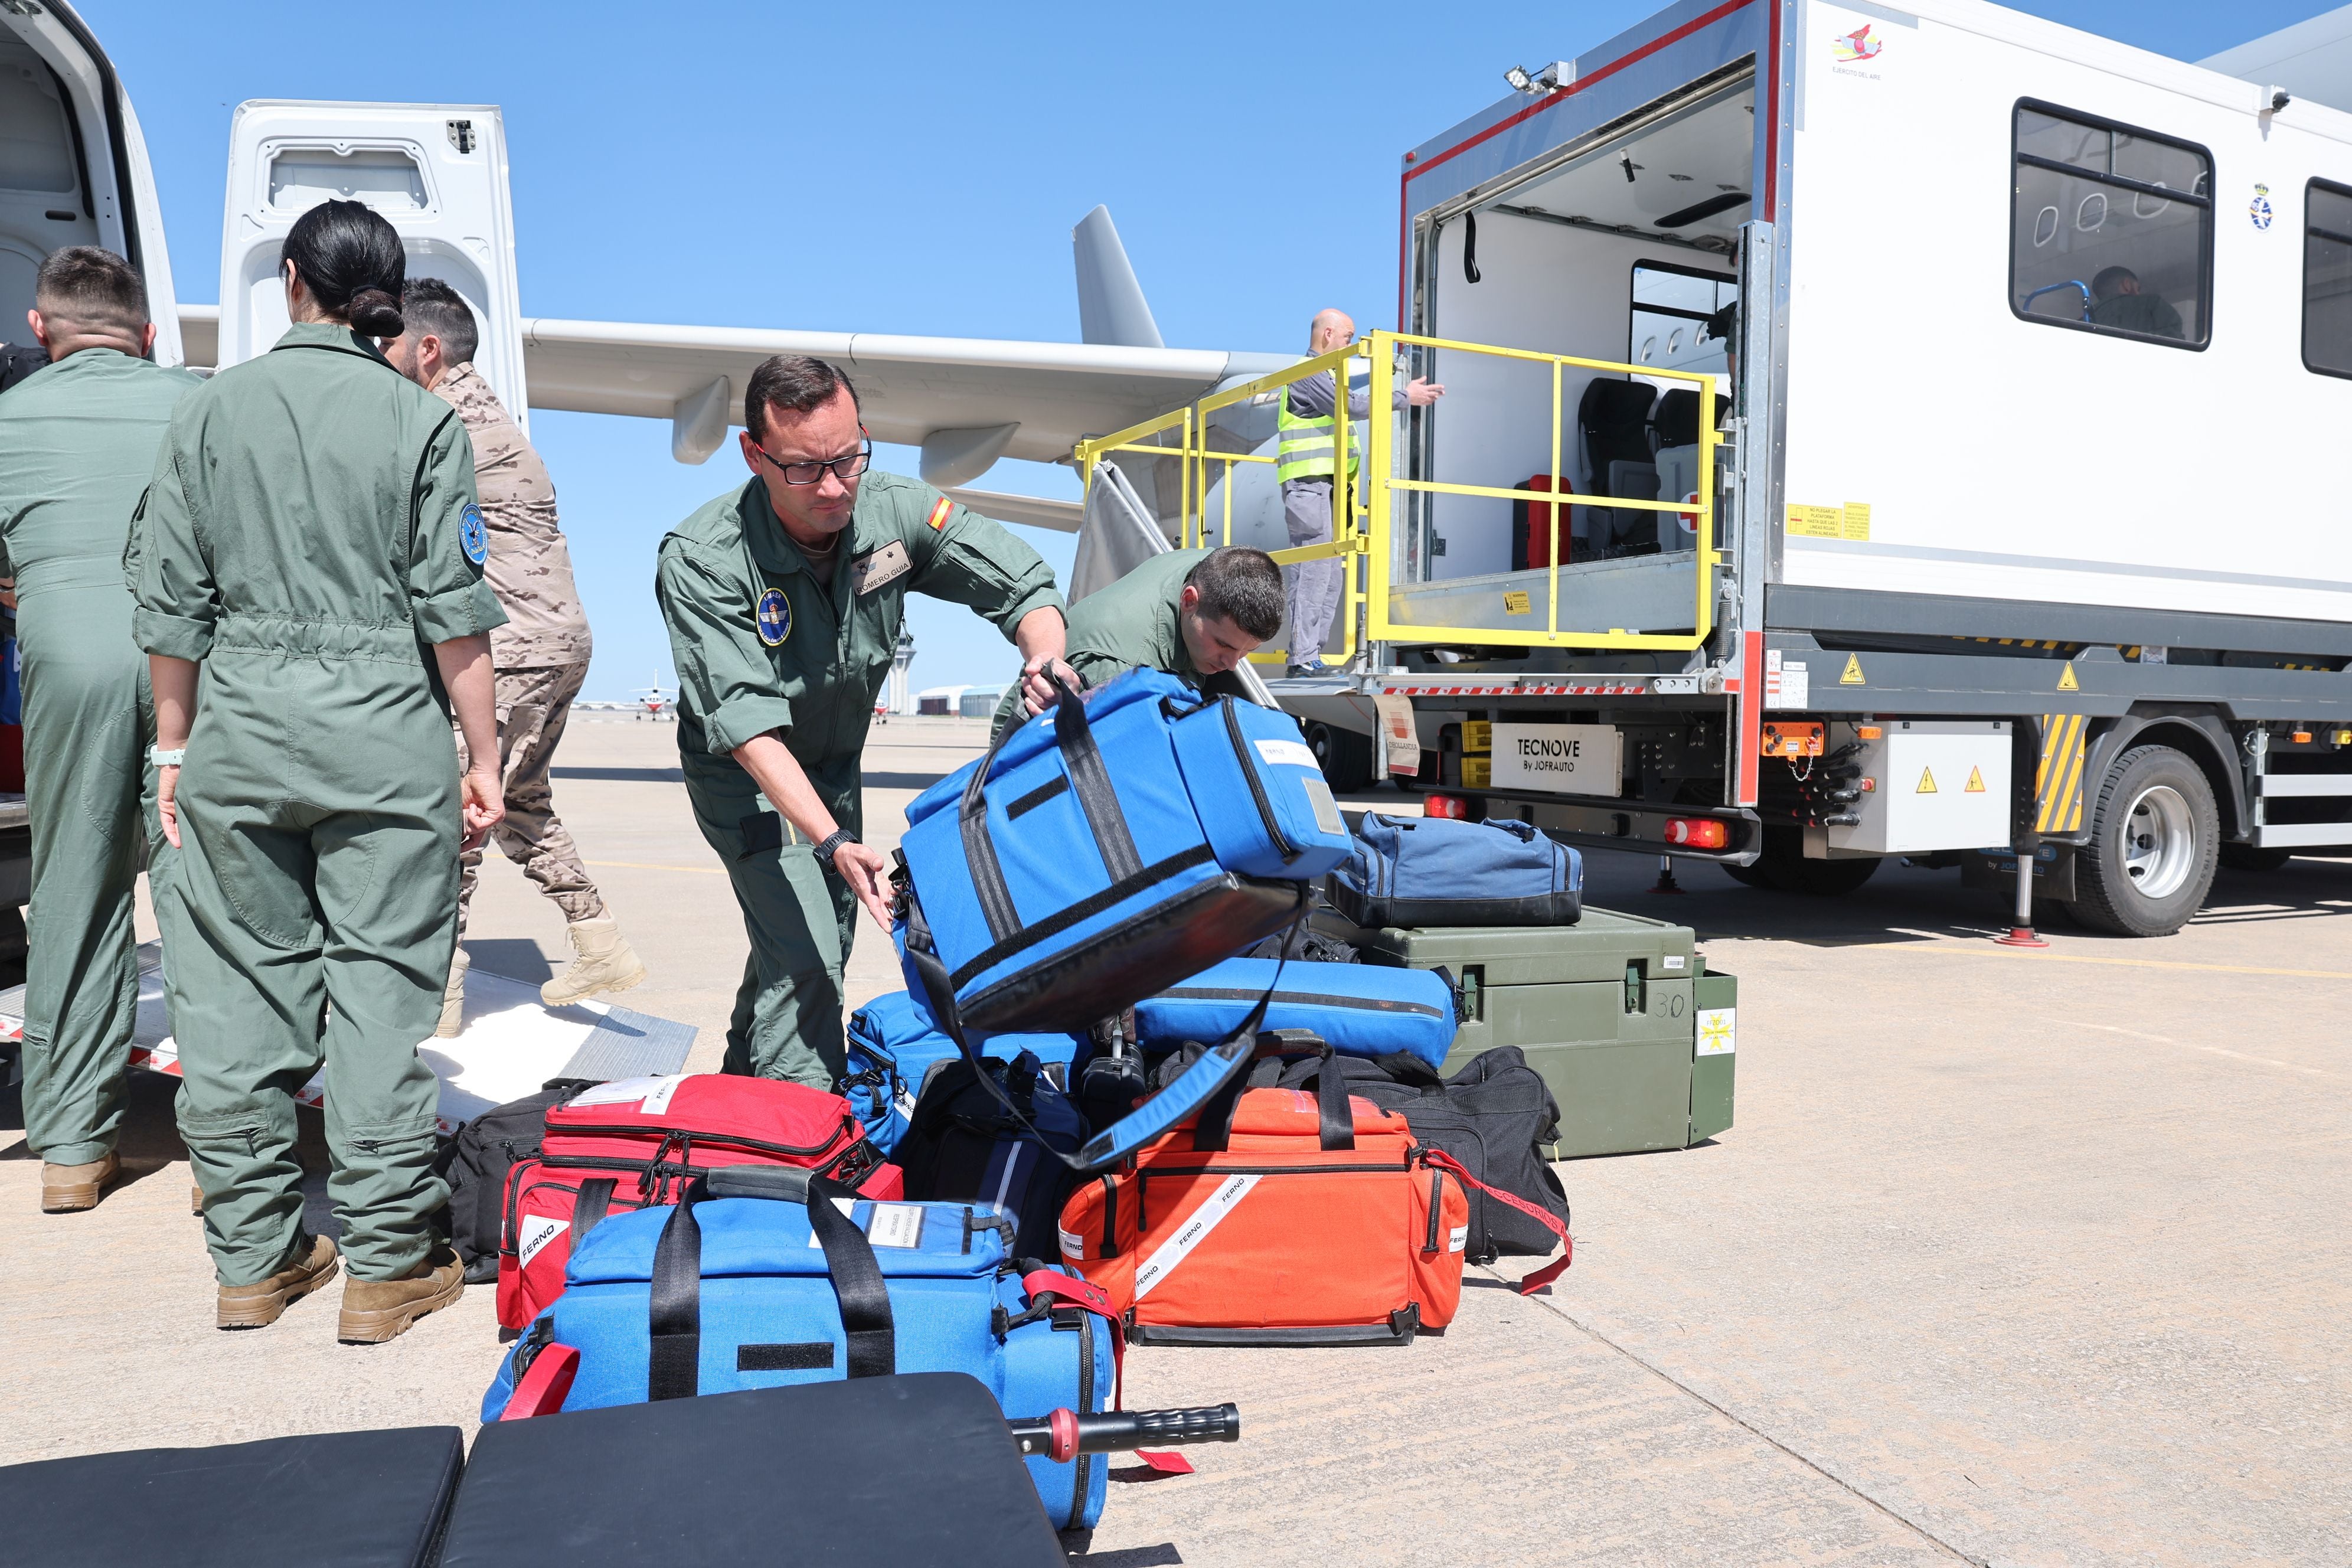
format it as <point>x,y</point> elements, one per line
<point>824,851</point>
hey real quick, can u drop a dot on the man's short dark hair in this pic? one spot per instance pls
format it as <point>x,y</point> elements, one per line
<point>92,288</point>
<point>1241,585</point>
<point>429,306</point>
<point>2109,281</point>
<point>790,384</point>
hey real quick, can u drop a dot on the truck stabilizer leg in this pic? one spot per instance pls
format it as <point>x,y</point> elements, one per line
<point>2021,931</point>
<point>1665,882</point>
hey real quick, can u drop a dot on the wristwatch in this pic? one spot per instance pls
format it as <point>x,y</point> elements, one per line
<point>171,759</point>
<point>824,851</point>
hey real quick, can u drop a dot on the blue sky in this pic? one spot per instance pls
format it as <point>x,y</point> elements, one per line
<point>906,168</point>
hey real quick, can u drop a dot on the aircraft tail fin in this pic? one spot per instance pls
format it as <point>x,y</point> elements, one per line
<point>1111,307</point>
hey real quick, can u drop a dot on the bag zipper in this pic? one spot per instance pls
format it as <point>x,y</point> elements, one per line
<point>1145,1174</point>
<point>1082,1475</point>
<point>716,1140</point>
<point>1256,785</point>
<point>1437,1204</point>
<point>1299,998</point>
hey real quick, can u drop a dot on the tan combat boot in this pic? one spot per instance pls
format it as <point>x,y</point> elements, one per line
<point>453,998</point>
<point>375,1311</point>
<point>69,1189</point>
<point>313,1263</point>
<point>606,962</point>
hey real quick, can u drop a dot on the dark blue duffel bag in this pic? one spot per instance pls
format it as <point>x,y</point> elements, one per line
<point>1361,1009</point>
<point>1438,872</point>
<point>1106,850</point>
<point>969,1141</point>
<point>896,1047</point>
<point>813,1284</point>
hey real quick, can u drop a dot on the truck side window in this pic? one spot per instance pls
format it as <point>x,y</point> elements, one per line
<point>2327,278</point>
<point>2111,229</point>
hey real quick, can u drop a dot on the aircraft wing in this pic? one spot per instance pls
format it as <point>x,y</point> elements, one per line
<point>964,400</point>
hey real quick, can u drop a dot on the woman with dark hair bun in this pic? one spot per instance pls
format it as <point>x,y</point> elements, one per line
<point>308,557</point>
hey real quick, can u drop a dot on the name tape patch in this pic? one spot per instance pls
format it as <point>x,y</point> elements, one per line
<point>1296,753</point>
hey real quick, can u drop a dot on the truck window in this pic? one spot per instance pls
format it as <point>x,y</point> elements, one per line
<point>2327,278</point>
<point>2111,229</point>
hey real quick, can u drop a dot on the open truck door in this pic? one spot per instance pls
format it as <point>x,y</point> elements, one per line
<point>438,172</point>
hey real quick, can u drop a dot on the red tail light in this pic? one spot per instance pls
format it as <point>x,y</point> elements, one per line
<point>1452,806</point>
<point>1697,832</point>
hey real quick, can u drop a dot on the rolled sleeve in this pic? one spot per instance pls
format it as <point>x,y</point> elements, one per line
<point>977,561</point>
<point>725,677</point>
<point>175,603</point>
<point>448,595</point>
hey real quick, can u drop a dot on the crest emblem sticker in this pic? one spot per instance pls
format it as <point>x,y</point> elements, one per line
<point>472,538</point>
<point>774,617</point>
<point>2259,209</point>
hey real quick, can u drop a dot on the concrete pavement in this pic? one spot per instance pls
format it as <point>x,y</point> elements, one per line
<point>2027,1260</point>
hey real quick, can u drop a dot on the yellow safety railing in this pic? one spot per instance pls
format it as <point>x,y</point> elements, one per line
<point>1366,523</point>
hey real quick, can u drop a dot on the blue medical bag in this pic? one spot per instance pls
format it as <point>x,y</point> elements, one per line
<point>811,1284</point>
<point>1361,1009</point>
<point>1421,872</point>
<point>896,1047</point>
<point>1104,851</point>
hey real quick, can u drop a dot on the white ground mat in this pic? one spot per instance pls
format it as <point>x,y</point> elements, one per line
<point>510,1046</point>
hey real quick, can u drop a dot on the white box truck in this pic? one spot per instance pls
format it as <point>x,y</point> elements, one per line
<point>2027,346</point>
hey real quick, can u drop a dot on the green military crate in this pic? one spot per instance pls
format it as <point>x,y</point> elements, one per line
<point>1618,1013</point>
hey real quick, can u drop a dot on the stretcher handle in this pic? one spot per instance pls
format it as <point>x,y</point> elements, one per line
<point>1065,1434</point>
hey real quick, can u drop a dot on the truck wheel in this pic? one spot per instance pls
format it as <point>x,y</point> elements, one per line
<point>1748,876</point>
<point>1344,757</point>
<point>1784,866</point>
<point>2254,856</point>
<point>2155,839</point>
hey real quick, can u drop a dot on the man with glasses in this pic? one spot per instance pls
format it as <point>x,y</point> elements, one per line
<point>785,601</point>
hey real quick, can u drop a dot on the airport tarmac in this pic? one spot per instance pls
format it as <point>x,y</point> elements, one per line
<point>2017,1259</point>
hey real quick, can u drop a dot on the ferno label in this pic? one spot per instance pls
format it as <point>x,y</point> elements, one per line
<point>1561,759</point>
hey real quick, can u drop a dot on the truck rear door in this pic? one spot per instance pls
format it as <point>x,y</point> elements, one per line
<point>438,172</point>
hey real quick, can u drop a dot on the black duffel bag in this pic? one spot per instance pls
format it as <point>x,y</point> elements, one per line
<point>475,1163</point>
<point>1493,1116</point>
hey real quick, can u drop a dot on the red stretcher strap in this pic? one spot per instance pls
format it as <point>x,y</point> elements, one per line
<point>545,1386</point>
<point>1550,1272</point>
<point>1092,1298</point>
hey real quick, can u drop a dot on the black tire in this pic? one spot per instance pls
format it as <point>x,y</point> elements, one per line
<point>1748,876</point>
<point>1344,757</point>
<point>1783,866</point>
<point>2254,858</point>
<point>2154,824</point>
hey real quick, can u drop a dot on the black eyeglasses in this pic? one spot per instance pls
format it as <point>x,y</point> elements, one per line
<point>809,473</point>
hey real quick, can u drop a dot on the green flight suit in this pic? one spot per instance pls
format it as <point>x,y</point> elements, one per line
<point>311,528</point>
<point>1130,625</point>
<point>810,676</point>
<point>76,443</point>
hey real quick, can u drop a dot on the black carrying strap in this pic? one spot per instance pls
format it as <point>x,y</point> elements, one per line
<point>1335,1118</point>
<point>588,1210</point>
<point>674,1367</point>
<point>1089,779</point>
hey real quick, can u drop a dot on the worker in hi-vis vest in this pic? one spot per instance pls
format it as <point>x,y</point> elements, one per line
<point>1307,422</point>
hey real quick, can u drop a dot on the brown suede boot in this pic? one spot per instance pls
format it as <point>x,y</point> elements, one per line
<point>196,1200</point>
<point>375,1311</point>
<point>312,1264</point>
<point>69,1189</point>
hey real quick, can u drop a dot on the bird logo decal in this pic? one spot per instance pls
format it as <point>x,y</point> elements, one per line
<point>1858,45</point>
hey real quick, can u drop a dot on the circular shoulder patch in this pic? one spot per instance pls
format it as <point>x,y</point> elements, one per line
<point>472,538</point>
<point>774,617</point>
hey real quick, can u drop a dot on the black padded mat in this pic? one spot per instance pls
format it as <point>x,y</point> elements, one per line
<point>338,1500</point>
<point>874,1472</point>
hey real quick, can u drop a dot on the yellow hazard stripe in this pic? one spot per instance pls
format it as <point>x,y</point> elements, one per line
<point>2058,780</point>
<point>939,518</point>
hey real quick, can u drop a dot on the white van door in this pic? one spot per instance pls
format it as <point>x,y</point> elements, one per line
<point>438,171</point>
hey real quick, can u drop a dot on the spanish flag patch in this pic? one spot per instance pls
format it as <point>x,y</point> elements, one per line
<point>939,518</point>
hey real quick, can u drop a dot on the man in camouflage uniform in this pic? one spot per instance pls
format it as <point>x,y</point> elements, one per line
<point>541,654</point>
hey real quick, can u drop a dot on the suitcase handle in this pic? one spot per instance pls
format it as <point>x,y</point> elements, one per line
<point>674,1311</point>
<point>1064,1435</point>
